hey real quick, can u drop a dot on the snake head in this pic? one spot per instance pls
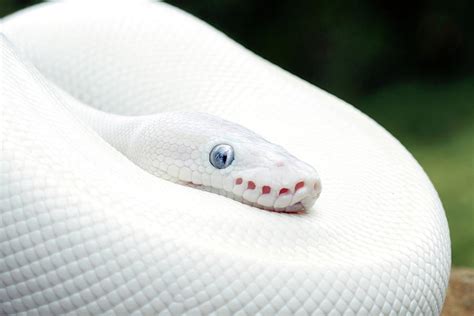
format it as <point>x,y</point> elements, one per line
<point>261,173</point>
<point>211,154</point>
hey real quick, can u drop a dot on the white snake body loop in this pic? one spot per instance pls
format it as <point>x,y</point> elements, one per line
<point>83,230</point>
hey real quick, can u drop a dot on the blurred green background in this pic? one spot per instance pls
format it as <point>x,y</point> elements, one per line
<point>407,64</point>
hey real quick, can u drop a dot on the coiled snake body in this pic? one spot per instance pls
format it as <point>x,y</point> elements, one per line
<point>86,231</point>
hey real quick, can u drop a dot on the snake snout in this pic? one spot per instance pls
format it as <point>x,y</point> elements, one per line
<point>300,196</point>
<point>283,194</point>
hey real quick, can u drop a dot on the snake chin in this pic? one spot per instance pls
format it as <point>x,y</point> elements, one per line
<point>297,208</point>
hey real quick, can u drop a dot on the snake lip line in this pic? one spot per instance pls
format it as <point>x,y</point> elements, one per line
<point>296,208</point>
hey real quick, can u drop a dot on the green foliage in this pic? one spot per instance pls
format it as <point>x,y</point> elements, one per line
<point>436,123</point>
<point>450,166</point>
<point>10,6</point>
<point>418,112</point>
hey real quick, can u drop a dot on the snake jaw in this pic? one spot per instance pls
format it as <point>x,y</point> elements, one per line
<point>302,197</point>
<point>298,197</point>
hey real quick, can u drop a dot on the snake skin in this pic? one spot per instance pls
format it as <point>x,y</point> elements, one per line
<point>85,231</point>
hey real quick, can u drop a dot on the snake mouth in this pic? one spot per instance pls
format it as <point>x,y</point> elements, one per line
<point>298,199</point>
<point>296,208</point>
<point>293,197</point>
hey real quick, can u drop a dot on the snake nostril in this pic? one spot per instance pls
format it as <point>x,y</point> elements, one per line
<point>266,189</point>
<point>239,181</point>
<point>283,191</point>
<point>299,185</point>
<point>251,185</point>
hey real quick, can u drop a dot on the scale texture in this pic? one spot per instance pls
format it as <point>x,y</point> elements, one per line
<point>85,231</point>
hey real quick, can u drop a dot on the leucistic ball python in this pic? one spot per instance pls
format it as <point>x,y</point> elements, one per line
<point>84,230</point>
<point>208,153</point>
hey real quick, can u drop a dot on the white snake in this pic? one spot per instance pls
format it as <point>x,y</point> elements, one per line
<point>83,230</point>
<point>206,152</point>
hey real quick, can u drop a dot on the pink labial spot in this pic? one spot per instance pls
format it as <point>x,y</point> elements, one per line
<point>299,185</point>
<point>280,164</point>
<point>251,185</point>
<point>239,181</point>
<point>284,191</point>
<point>266,189</point>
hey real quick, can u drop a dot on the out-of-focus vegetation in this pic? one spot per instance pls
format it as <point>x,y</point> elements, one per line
<point>407,64</point>
<point>436,123</point>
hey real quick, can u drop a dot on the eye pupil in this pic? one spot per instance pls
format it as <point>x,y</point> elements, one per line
<point>221,156</point>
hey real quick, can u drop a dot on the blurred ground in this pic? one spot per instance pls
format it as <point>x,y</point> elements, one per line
<point>460,297</point>
<point>407,64</point>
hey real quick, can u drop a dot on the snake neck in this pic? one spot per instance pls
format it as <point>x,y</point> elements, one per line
<point>117,130</point>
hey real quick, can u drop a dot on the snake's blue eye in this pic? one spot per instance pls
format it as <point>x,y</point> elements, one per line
<point>221,156</point>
